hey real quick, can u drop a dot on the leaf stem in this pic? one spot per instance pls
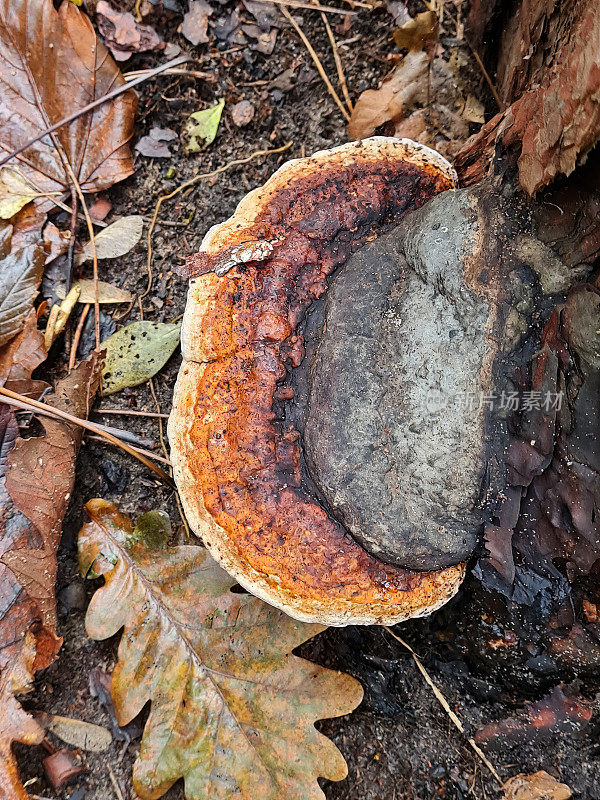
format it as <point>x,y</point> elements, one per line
<point>95,103</point>
<point>13,398</point>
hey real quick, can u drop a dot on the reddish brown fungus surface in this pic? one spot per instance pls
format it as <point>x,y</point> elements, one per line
<point>236,463</point>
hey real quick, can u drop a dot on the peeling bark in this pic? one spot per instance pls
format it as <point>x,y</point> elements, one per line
<point>549,73</point>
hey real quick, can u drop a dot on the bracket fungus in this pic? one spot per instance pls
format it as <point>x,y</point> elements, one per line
<point>303,442</point>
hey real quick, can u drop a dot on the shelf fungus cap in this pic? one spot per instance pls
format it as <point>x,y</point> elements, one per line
<point>237,425</point>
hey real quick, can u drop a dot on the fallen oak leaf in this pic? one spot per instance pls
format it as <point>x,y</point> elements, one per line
<point>232,710</point>
<point>418,33</point>
<point>25,352</point>
<point>539,786</point>
<point>137,352</point>
<point>54,64</point>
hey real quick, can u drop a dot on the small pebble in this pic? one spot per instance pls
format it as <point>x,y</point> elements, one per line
<point>242,113</point>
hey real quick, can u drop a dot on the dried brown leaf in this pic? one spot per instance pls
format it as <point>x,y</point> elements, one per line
<point>539,786</point>
<point>419,33</point>
<point>20,276</point>
<point>22,354</point>
<point>375,107</point>
<point>232,710</point>
<point>195,22</point>
<point>36,479</point>
<point>123,34</point>
<point>51,64</point>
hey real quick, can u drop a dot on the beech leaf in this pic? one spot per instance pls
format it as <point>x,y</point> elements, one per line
<point>116,239</point>
<point>52,64</point>
<point>201,127</point>
<point>137,352</point>
<point>406,84</point>
<point>20,276</point>
<point>107,293</point>
<point>232,710</point>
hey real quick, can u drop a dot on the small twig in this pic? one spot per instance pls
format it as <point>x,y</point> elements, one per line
<point>73,231</point>
<point>338,62</point>
<point>141,450</point>
<point>77,336</point>
<point>445,705</point>
<point>28,404</point>
<point>193,73</point>
<point>186,185</point>
<point>127,436</point>
<point>95,103</point>
<point>115,782</point>
<point>317,62</point>
<point>127,413</point>
<point>485,74</point>
<point>318,7</point>
<point>92,236</point>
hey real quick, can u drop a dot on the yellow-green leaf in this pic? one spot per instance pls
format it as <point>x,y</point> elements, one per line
<point>201,127</point>
<point>232,710</point>
<point>15,193</point>
<point>137,352</point>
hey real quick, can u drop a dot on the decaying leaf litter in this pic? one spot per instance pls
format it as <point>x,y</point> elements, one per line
<point>397,742</point>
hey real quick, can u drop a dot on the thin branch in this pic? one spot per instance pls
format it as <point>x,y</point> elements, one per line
<point>77,336</point>
<point>317,62</point>
<point>92,236</point>
<point>318,7</point>
<point>446,706</point>
<point>28,404</point>
<point>338,63</point>
<point>485,74</point>
<point>100,101</point>
<point>143,451</point>
<point>186,185</point>
<point>128,413</point>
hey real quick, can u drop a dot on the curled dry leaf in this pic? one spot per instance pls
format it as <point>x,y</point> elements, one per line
<point>54,64</point>
<point>20,276</point>
<point>123,34</point>
<point>195,22</point>
<point>137,352</point>
<point>116,239</point>
<point>201,128</point>
<point>375,107</point>
<point>36,479</point>
<point>539,786</point>
<point>155,145</point>
<point>418,33</point>
<point>232,710</point>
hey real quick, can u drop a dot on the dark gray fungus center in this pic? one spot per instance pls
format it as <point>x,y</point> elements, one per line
<point>392,437</point>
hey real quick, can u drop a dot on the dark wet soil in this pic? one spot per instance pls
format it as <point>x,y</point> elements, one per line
<point>399,743</point>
